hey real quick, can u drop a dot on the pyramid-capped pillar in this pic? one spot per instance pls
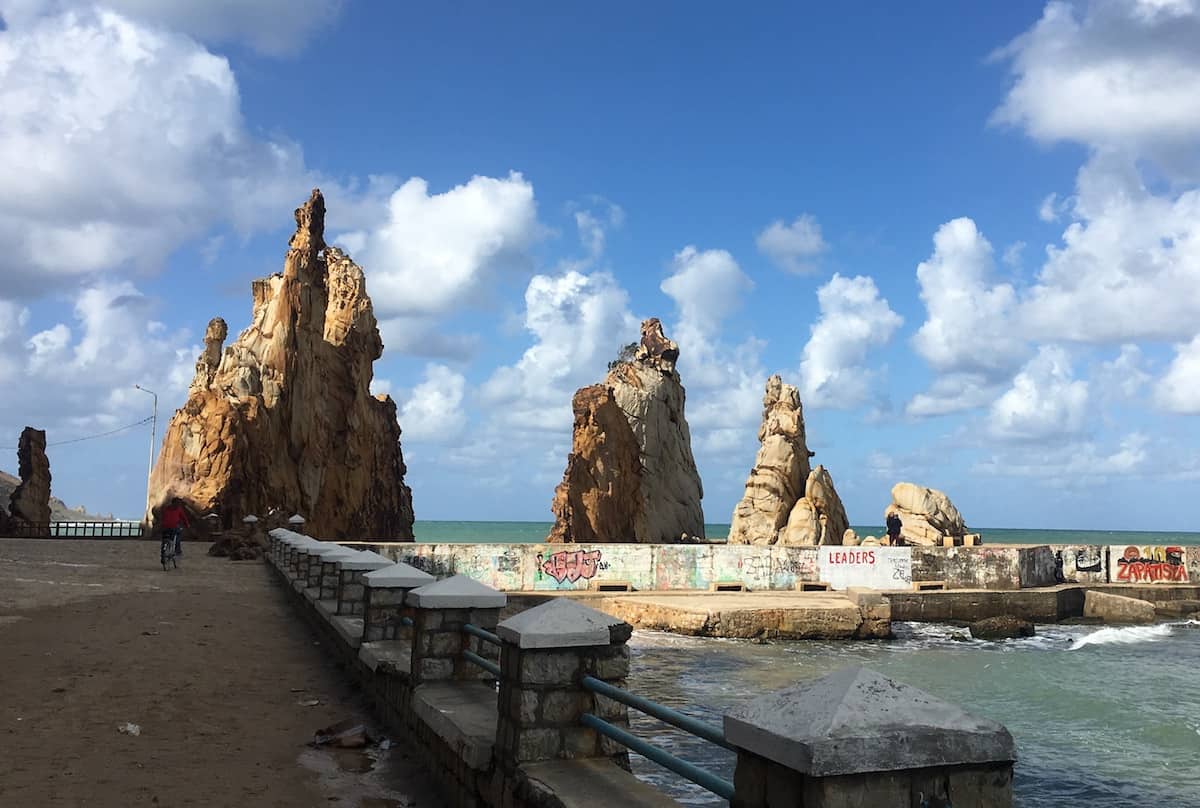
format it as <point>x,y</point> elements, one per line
<point>329,571</point>
<point>858,738</point>
<point>546,654</point>
<point>440,612</point>
<point>383,595</point>
<point>351,573</point>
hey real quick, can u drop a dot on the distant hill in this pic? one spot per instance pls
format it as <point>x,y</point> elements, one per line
<point>59,512</point>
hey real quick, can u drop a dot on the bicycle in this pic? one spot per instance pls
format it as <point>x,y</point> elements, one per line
<point>169,550</point>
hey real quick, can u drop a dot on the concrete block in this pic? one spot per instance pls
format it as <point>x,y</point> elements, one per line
<point>564,706</point>
<point>549,667</point>
<point>558,623</point>
<point>1117,608</point>
<point>457,592</point>
<point>855,720</point>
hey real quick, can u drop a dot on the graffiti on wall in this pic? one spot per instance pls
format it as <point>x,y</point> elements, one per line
<point>1151,564</point>
<point>571,565</point>
<point>873,567</point>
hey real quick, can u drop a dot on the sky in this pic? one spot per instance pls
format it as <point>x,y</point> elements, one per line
<point>969,233</point>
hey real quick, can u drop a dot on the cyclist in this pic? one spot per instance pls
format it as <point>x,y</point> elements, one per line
<point>172,521</point>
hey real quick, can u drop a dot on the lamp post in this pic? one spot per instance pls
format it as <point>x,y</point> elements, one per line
<point>150,465</point>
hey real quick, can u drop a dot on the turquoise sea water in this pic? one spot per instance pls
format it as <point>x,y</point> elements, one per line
<point>513,532</point>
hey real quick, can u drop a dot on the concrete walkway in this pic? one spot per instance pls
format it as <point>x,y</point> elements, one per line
<point>225,685</point>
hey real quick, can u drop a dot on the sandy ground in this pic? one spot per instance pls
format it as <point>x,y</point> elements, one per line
<point>209,661</point>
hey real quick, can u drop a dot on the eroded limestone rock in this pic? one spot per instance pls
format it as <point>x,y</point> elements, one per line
<point>283,419</point>
<point>927,516</point>
<point>30,501</point>
<point>646,388</point>
<point>786,502</point>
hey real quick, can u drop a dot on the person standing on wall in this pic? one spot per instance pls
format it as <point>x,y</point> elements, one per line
<point>893,529</point>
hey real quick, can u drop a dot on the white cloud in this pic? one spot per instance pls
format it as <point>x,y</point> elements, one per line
<point>725,382</point>
<point>1071,464</point>
<point>118,142</point>
<point>969,326</point>
<point>433,411</point>
<point>793,247</point>
<point>1179,388</point>
<point>1045,400</point>
<point>273,27</point>
<point>1126,269</point>
<point>951,393</point>
<point>1049,211</point>
<point>1012,254</point>
<point>81,378</point>
<point>438,252</point>
<point>1123,374</point>
<point>854,318</point>
<point>579,322</point>
<point>1112,74</point>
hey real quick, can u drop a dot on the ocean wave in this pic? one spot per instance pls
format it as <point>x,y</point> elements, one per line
<point>1126,635</point>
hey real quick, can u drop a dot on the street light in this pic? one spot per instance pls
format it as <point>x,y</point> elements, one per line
<point>150,466</point>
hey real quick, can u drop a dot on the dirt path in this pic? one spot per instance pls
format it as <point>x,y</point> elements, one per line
<point>209,662</point>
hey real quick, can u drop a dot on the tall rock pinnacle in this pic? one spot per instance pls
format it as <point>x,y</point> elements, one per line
<point>283,418</point>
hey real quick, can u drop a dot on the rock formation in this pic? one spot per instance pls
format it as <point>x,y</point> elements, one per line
<point>631,476</point>
<point>786,502</point>
<point>283,418</point>
<point>927,516</point>
<point>30,501</point>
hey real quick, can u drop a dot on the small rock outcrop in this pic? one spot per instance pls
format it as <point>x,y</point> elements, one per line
<point>927,516</point>
<point>631,478</point>
<point>283,419</point>
<point>30,501</point>
<point>601,491</point>
<point>1003,627</point>
<point>786,501</point>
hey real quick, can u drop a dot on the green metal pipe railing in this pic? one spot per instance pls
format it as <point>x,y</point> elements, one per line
<point>665,714</point>
<point>482,634</point>
<point>486,664</point>
<point>688,771</point>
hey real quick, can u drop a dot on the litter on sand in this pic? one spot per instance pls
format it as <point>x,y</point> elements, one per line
<point>345,734</point>
<point>129,729</point>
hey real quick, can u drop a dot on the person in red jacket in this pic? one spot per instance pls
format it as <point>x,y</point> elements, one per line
<point>173,520</point>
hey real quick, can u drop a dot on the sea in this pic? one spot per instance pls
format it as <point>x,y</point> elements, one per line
<point>1102,716</point>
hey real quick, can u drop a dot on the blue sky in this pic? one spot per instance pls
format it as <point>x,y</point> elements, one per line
<point>969,233</point>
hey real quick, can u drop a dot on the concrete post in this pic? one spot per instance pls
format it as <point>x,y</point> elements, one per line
<point>384,591</point>
<point>856,739</point>
<point>327,571</point>
<point>440,610</point>
<point>350,588</point>
<point>312,578</point>
<point>545,654</point>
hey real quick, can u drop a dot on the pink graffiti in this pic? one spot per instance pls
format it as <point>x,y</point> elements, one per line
<point>570,566</point>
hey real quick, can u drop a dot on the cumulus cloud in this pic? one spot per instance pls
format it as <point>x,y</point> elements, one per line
<point>437,252</point>
<point>80,376</point>
<point>725,381</point>
<point>1071,464</point>
<point>1124,374</point>
<point>119,142</point>
<point>272,27</point>
<point>793,247</point>
<point>578,322</point>
<point>434,411</point>
<point>1179,388</point>
<point>969,325</point>
<point>854,318</point>
<point>1044,402</point>
<point>1118,74</point>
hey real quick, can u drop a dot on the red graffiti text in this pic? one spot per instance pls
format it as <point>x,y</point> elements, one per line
<point>1151,565</point>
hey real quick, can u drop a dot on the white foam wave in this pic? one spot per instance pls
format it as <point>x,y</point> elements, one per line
<point>1126,635</point>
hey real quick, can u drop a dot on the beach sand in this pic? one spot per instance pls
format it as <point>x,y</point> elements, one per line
<point>208,661</point>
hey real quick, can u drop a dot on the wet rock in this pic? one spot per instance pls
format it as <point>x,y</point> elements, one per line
<point>1004,627</point>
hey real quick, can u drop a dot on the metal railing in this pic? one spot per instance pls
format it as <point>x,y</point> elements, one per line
<point>476,659</point>
<point>76,530</point>
<point>705,779</point>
